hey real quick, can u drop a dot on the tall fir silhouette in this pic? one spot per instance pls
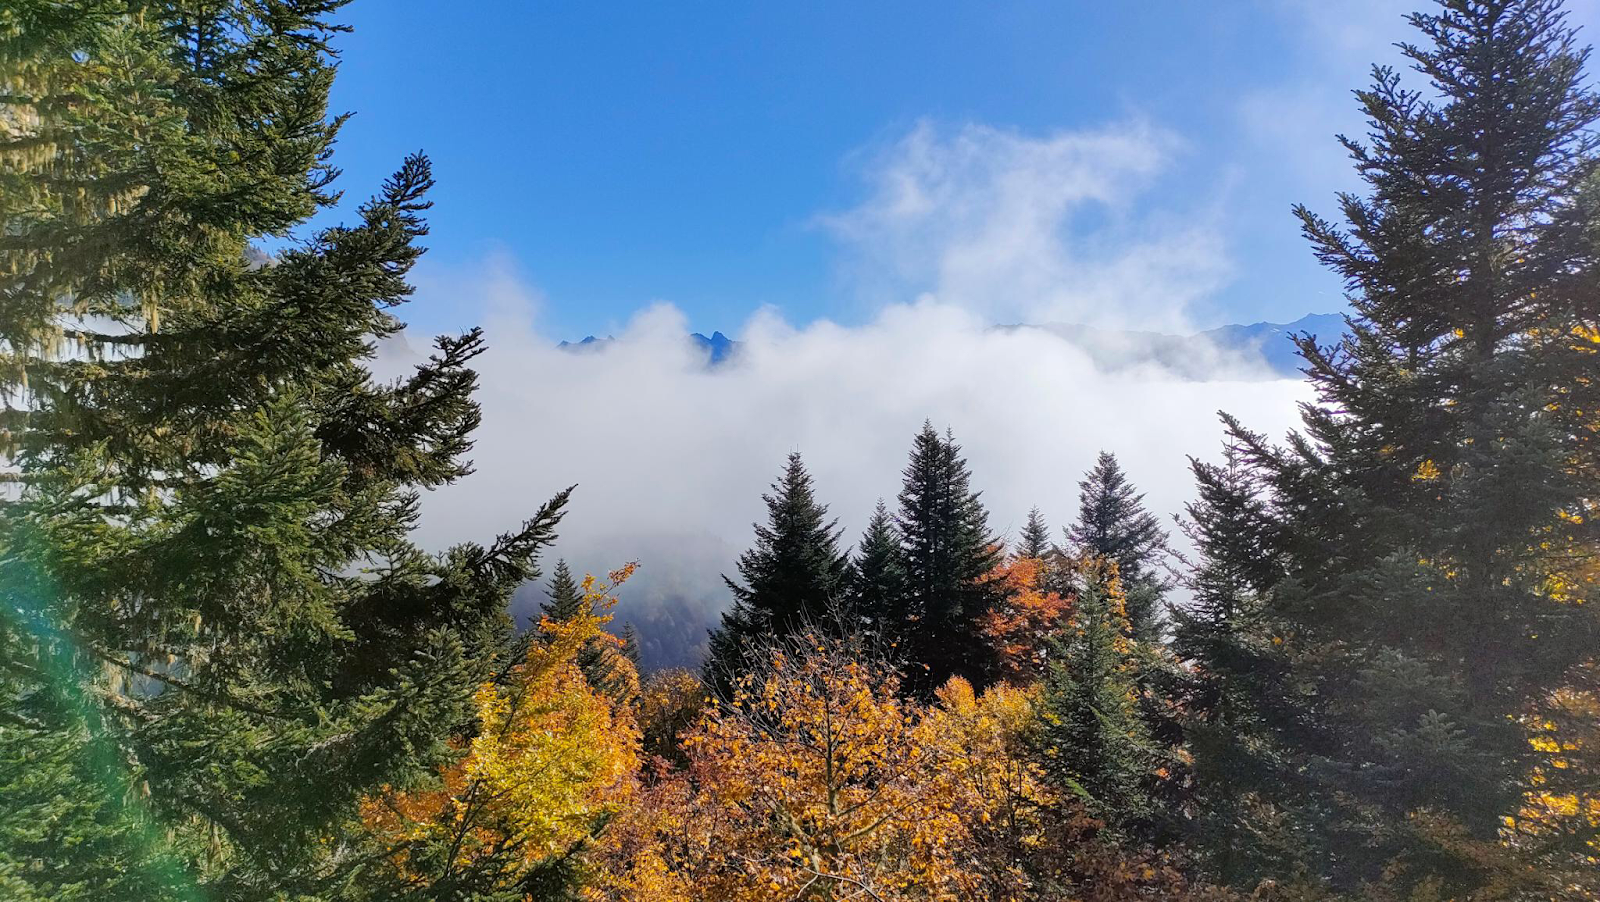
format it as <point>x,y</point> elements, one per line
<point>949,554</point>
<point>793,577</point>
<point>1113,524</point>
<point>1035,539</point>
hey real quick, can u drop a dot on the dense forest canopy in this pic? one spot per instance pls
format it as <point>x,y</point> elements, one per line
<point>229,672</point>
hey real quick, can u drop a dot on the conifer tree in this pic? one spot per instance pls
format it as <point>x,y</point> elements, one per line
<point>1232,691</point>
<point>949,555</point>
<point>1093,739</point>
<point>216,636</point>
<point>1035,540</point>
<point>878,577</point>
<point>1113,524</point>
<point>630,645</point>
<point>565,598</point>
<point>1436,519</point>
<point>792,578</point>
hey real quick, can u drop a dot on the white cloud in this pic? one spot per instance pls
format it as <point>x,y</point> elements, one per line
<point>671,458</point>
<point>1028,228</point>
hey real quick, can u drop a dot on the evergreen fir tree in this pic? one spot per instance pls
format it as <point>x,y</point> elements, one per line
<point>949,554</point>
<point>1113,524</point>
<point>217,636</point>
<point>1434,519</point>
<point>630,645</point>
<point>565,597</point>
<point>1093,739</point>
<point>1232,688</point>
<point>1035,540</point>
<point>794,576</point>
<point>878,577</point>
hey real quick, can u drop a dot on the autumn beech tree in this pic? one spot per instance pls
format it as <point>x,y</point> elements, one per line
<point>606,661</point>
<point>814,780</point>
<point>670,702</point>
<point>823,780</point>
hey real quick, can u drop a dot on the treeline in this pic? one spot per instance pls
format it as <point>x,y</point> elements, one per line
<point>930,592</point>
<point>228,673</point>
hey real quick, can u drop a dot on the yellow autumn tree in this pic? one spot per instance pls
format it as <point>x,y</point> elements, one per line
<point>811,782</point>
<point>1560,815</point>
<point>553,757</point>
<point>818,781</point>
<point>991,781</point>
<point>670,701</point>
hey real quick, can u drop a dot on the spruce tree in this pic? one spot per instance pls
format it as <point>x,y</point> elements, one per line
<point>217,638</point>
<point>949,555</point>
<point>1092,737</point>
<point>1114,525</point>
<point>1035,539</point>
<point>1232,690</point>
<point>878,578</point>
<point>565,597</point>
<point>630,645</point>
<point>1436,517</point>
<point>793,577</point>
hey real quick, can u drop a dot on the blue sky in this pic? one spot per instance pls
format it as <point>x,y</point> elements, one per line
<point>724,157</point>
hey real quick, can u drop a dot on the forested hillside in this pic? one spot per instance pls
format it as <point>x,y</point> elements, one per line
<point>228,671</point>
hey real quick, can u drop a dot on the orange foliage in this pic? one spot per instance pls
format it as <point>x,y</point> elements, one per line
<point>669,703</point>
<point>995,787</point>
<point>815,781</point>
<point>552,757</point>
<point>818,781</point>
<point>1019,627</point>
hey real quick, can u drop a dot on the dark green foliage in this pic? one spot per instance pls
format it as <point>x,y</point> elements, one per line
<point>948,554</point>
<point>1233,692</point>
<point>566,598</point>
<point>1093,739</point>
<point>1035,539</point>
<point>630,645</point>
<point>1114,525</point>
<point>216,634</point>
<point>793,577</point>
<point>1420,542</point>
<point>878,576</point>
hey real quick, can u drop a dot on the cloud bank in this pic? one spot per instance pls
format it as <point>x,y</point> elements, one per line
<point>671,458</point>
<point>957,229</point>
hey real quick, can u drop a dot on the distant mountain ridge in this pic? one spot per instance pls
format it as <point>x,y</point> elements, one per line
<point>1257,350</point>
<point>717,347</point>
<point>1272,339</point>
